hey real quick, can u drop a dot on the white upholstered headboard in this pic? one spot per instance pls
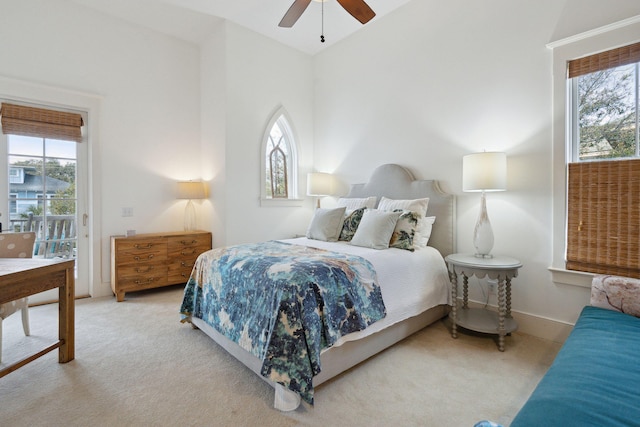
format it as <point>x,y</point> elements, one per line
<point>396,182</point>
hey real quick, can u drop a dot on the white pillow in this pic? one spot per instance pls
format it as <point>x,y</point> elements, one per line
<point>326,224</point>
<point>375,229</point>
<point>353,203</point>
<point>414,205</point>
<point>423,231</point>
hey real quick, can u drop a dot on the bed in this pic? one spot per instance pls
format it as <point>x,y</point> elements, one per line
<point>413,286</point>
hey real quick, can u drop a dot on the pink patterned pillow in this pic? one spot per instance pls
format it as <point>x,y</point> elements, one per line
<point>616,293</point>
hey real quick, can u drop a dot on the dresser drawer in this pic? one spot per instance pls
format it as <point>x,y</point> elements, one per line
<point>128,272</point>
<point>141,251</point>
<point>135,281</point>
<point>189,246</point>
<point>179,272</point>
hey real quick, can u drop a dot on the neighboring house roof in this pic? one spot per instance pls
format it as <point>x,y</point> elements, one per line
<point>34,183</point>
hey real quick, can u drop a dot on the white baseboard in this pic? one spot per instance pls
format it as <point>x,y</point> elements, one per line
<point>536,326</point>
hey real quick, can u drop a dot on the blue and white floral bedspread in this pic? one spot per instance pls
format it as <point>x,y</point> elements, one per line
<point>284,303</point>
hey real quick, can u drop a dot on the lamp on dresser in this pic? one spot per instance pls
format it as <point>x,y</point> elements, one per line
<point>484,172</point>
<point>319,184</point>
<point>190,190</point>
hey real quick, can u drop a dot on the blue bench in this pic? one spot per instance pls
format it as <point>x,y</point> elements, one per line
<point>595,378</point>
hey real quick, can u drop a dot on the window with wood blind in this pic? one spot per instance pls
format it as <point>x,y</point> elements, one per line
<point>603,199</point>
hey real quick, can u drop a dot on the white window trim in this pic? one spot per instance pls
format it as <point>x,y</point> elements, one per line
<point>598,40</point>
<point>293,200</point>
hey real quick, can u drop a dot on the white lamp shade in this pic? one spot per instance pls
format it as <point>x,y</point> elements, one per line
<point>484,172</point>
<point>319,184</point>
<point>191,190</point>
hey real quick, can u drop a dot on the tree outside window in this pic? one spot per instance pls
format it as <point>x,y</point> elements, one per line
<point>607,119</point>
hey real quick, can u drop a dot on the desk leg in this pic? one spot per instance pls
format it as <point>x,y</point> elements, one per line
<point>66,317</point>
<point>454,303</point>
<point>501,313</point>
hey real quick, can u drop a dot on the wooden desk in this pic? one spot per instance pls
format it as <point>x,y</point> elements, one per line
<point>21,277</point>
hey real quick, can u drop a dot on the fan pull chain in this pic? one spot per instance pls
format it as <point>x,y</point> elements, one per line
<point>322,24</point>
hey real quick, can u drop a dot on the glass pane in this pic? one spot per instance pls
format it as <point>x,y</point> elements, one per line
<point>25,188</point>
<point>62,149</point>
<point>279,174</point>
<point>276,133</point>
<point>25,145</point>
<point>61,187</point>
<point>607,113</point>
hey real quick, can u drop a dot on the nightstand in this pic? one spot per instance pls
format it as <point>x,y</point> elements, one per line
<point>499,268</point>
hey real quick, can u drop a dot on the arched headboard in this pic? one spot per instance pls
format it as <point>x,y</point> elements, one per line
<point>396,182</point>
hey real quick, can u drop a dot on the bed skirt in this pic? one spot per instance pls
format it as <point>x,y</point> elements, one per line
<point>334,360</point>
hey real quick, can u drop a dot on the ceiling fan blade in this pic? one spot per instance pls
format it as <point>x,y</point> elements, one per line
<point>358,9</point>
<point>294,12</point>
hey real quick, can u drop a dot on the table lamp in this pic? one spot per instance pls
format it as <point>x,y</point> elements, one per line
<point>190,190</point>
<point>319,185</point>
<point>484,172</point>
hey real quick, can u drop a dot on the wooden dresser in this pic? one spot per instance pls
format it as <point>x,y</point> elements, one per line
<point>153,260</point>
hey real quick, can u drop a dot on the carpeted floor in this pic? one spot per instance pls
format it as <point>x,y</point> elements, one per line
<point>136,364</point>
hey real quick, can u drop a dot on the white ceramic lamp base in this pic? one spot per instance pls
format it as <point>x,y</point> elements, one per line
<point>483,233</point>
<point>189,217</point>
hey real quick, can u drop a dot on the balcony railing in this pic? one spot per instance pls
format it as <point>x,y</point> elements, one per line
<point>55,234</point>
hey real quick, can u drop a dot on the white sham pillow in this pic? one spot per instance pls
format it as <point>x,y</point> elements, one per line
<point>326,224</point>
<point>375,229</point>
<point>357,203</point>
<point>414,205</point>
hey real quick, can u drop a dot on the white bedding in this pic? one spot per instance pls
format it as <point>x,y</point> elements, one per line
<point>411,282</point>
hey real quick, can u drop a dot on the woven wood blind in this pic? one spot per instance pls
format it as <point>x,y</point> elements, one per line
<point>603,230</point>
<point>601,61</point>
<point>40,122</point>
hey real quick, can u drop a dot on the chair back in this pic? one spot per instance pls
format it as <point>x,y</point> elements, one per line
<point>17,245</point>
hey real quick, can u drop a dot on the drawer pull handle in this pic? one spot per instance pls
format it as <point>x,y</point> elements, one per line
<point>188,253</point>
<point>184,264</point>
<point>185,242</point>
<point>137,258</point>
<point>144,282</point>
<point>139,270</point>
<point>148,246</point>
<point>185,276</point>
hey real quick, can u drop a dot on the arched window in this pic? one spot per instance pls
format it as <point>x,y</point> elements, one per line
<point>280,164</point>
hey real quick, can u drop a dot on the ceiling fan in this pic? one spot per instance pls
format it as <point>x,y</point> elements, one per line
<point>357,8</point>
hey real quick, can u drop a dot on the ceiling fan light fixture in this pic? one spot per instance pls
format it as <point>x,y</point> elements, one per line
<point>356,8</point>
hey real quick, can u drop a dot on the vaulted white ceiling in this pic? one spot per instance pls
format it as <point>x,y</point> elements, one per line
<point>192,19</point>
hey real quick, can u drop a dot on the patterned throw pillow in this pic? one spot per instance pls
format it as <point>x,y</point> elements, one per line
<point>350,225</point>
<point>405,231</point>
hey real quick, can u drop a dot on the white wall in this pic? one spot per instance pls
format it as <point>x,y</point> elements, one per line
<point>437,80</point>
<point>259,76</point>
<point>147,87</point>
